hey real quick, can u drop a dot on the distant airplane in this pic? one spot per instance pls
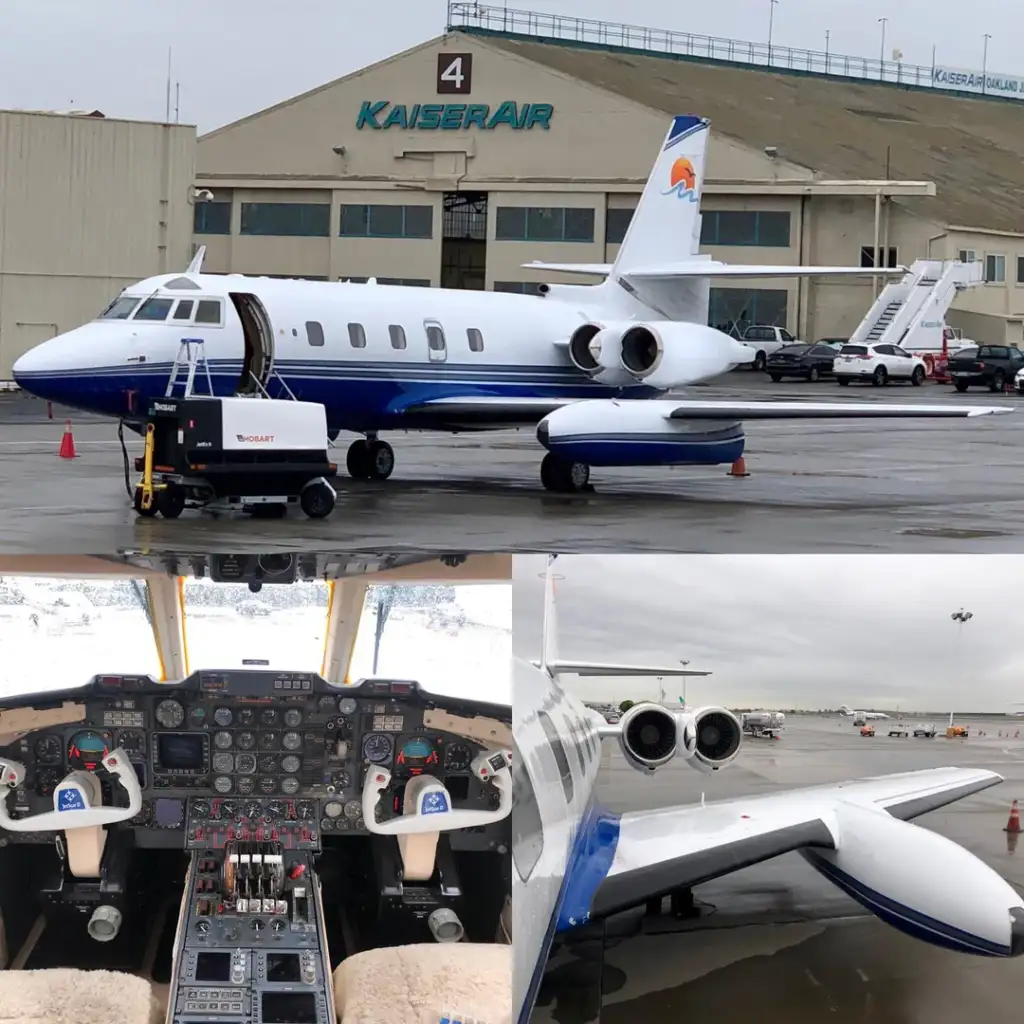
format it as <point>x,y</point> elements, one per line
<point>847,712</point>
<point>583,362</point>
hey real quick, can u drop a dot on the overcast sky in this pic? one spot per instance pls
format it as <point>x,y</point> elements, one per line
<point>784,631</point>
<point>234,57</point>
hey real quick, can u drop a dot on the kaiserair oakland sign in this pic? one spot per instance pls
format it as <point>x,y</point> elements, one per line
<point>381,114</point>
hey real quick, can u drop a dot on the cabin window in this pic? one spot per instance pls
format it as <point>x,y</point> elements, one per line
<point>397,333</point>
<point>121,308</point>
<point>561,760</point>
<point>183,311</point>
<point>435,338</point>
<point>208,312</point>
<point>357,336</point>
<point>314,333</point>
<point>527,826</point>
<point>579,742</point>
<point>154,309</point>
<point>476,339</point>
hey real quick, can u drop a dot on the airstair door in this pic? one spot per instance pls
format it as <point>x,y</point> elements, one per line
<point>437,344</point>
<point>258,362</point>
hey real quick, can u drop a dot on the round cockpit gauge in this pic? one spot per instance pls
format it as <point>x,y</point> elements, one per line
<point>291,741</point>
<point>342,780</point>
<point>348,705</point>
<point>269,717</point>
<point>293,718</point>
<point>290,764</point>
<point>222,784</point>
<point>268,740</point>
<point>458,758</point>
<point>333,809</point>
<point>417,753</point>
<point>275,809</point>
<point>86,749</point>
<point>289,786</point>
<point>201,808</point>
<point>268,785</point>
<point>304,809</point>
<point>326,825</point>
<point>253,811</point>
<point>49,750</point>
<point>246,785</point>
<point>246,716</point>
<point>245,741</point>
<point>227,809</point>
<point>353,810</point>
<point>170,714</point>
<point>223,716</point>
<point>223,762</point>
<point>245,764</point>
<point>268,764</point>
<point>145,815</point>
<point>47,780</point>
<point>197,716</point>
<point>222,740</point>
<point>377,747</point>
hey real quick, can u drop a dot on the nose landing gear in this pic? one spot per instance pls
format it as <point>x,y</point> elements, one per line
<point>370,459</point>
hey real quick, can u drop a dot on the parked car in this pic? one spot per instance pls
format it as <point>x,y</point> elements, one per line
<point>879,364</point>
<point>765,340</point>
<point>807,361</point>
<point>1018,382</point>
<point>989,366</point>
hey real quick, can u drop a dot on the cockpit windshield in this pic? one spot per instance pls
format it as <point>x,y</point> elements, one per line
<point>154,309</point>
<point>121,308</point>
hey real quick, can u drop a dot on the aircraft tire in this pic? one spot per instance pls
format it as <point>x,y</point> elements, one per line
<point>380,460</point>
<point>357,461</point>
<point>563,477</point>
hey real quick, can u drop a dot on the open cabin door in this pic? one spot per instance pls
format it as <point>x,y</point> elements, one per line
<point>258,331</point>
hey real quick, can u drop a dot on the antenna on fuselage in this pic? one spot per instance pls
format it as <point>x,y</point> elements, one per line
<point>196,266</point>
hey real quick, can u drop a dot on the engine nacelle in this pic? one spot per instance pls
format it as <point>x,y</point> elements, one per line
<point>594,349</point>
<point>921,883</point>
<point>668,354</point>
<point>651,735</point>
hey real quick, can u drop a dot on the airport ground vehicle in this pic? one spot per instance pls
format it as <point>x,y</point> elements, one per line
<point>899,730</point>
<point>867,730</point>
<point>762,723</point>
<point>810,362</point>
<point>991,366</point>
<point>925,732</point>
<point>878,363</point>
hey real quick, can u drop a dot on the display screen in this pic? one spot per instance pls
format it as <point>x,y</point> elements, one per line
<point>213,966</point>
<point>179,751</point>
<point>415,753</point>
<point>288,1008</point>
<point>283,967</point>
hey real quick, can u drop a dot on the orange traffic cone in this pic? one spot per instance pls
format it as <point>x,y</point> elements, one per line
<point>1013,825</point>
<point>739,468</point>
<point>67,443</point>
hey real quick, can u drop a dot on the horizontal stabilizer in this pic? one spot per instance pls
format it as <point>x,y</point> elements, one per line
<point>590,269</point>
<point>819,411</point>
<point>590,668</point>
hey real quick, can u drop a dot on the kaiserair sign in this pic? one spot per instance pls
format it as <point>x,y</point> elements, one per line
<point>383,114</point>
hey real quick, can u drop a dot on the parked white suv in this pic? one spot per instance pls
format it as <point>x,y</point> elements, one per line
<point>765,340</point>
<point>879,364</point>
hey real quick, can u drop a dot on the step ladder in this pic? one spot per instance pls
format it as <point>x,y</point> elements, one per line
<point>191,357</point>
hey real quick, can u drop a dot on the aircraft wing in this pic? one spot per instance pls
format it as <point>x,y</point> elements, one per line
<point>816,410</point>
<point>708,269</point>
<point>590,668</point>
<point>490,408</point>
<point>644,854</point>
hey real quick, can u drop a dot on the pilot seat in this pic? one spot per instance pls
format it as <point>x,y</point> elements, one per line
<point>68,996</point>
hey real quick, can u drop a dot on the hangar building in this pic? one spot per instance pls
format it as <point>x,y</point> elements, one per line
<point>459,160</point>
<point>88,205</point>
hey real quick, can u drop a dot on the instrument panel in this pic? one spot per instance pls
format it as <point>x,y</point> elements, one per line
<point>266,748</point>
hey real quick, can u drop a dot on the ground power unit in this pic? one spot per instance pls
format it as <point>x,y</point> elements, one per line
<point>258,454</point>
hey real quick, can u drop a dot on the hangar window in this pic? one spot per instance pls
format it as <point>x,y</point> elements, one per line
<point>967,256</point>
<point>527,825</point>
<point>889,259</point>
<point>733,310</point>
<point>1020,270</point>
<point>407,282</point>
<point>154,309</point>
<point>212,218</point>
<point>558,750</point>
<point>616,224</point>
<point>544,224</point>
<point>121,308</point>
<point>475,338</point>
<point>314,333</point>
<point>287,220</point>
<point>357,336</point>
<point>995,268</point>
<point>387,221</point>
<point>397,333</point>
<point>766,228</point>
<point>183,311</point>
<point>208,312</point>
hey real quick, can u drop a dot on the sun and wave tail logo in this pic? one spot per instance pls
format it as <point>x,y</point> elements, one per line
<point>682,180</point>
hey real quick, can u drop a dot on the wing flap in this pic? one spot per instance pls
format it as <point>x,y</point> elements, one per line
<point>667,271</point>
<point>823,411</point>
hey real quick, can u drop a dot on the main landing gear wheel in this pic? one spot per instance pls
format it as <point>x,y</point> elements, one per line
<point>370,460</point>
<point>564,477</point>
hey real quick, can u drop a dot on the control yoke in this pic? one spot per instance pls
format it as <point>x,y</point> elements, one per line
<point>431,808</point>
<point>77,800</point>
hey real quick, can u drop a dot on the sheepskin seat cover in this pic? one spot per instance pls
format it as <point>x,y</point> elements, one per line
<point>64,996</point>
<point>406,984</point>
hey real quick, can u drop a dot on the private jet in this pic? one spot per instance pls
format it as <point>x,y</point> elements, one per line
<point>585,364</point>
<point>860,717</point>
<point>218,842</point>
<point>576,862</point>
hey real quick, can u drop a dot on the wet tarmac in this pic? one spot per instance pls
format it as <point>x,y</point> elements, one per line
<point>841,486</point>
<point>778,943</point>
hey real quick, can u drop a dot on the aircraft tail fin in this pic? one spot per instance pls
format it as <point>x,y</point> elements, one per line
<point>196,266</point>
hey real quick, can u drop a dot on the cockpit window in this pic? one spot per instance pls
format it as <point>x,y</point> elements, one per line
<point>121,308</point>
<point>527,826</point>
<point>183,311</point>
<point>154,309</point>
<point>208,311</point>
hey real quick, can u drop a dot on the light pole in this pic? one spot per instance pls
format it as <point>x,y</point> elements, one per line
<point>984,62</point>
<point>881,53</point>
<point>828,36</point>
<point>771,25</point>
<point>961,618</point>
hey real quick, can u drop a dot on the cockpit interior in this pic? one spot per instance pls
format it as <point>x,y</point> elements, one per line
<point>256,844</point>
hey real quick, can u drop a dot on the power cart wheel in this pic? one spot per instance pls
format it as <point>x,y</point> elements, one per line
<point>563,477</point>
<point>148,513</point>
<point>170,502</point>
<point>317,499</point>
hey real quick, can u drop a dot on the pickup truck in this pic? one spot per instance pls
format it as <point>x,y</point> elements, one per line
<point>765,340</point>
